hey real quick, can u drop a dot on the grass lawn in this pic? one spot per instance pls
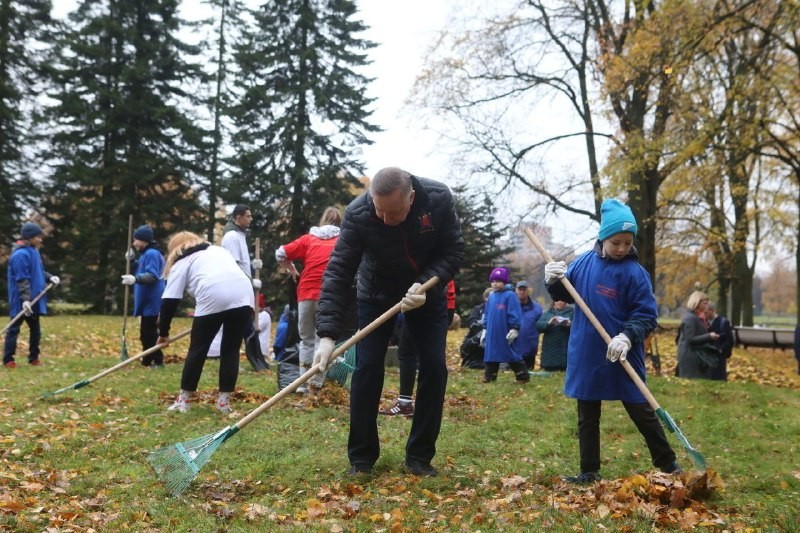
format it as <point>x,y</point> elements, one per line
<point>78,461</point>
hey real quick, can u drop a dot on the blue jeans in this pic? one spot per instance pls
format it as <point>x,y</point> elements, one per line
<point>33,341</point>
<point>427,326</point>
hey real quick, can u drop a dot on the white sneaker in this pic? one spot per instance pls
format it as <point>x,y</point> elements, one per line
<point>181,406</point>
<point>224,408</point>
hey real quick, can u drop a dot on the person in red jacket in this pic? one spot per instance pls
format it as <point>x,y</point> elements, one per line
<point>314,250</point>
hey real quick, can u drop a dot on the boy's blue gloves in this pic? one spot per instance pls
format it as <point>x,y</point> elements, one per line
<point>618,348</point>
<point>554,271</point>
<point>512,335</point>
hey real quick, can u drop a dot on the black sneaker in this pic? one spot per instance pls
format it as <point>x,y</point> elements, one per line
<point>584,478</point>
<point>419,468</point>
<point>673,469</point>
<point>359,469</point>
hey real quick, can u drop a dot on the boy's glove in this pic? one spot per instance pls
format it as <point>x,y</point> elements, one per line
<point>258,263</point>
<point>256,283</point>
<point>618,348</point>
<point>128,279</point>
<point>554,271</point>
<point>55,280</point>
<point>130,255</point>
<point>412,300</point>
<point>512,335</point>
<point>26,306</point>
<point>323,353</point>
<point>482,338</point>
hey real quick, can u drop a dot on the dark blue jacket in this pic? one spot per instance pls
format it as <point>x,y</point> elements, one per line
<point>527,344</point>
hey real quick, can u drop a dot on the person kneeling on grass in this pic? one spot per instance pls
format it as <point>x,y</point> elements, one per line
<point>224,298</point>
<point>618,291</point>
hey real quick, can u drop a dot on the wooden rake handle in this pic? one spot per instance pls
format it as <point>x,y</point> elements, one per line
<point>316,369</point>
<point>19,315</point>
<point>138,356</point>
<point>595,322</point>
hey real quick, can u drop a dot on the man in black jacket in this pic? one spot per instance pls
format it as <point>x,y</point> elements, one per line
<point>394,237</point>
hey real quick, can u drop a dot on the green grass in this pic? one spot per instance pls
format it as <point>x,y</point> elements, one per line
<point>78,461</point>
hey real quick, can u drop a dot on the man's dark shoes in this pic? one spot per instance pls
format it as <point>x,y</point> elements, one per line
<point>420,468</point>
<point>584,478</point>
<point>674,469</point>
<point>358,469</point>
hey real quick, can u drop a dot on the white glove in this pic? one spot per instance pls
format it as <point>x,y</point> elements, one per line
<point>258,263</point>
<point>324,352</point>
<point>130,255</point>
<point>256,283</point>
<point>128,279</point>
<point>482,339</point>
<point>55,280</point>
<point>26,306</point>
<point>618,348</point>
<point>554,271</point>
<point>412,300</point>
<point>512,335</point>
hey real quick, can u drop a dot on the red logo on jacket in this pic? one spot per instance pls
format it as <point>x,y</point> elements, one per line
<point>425,224</point>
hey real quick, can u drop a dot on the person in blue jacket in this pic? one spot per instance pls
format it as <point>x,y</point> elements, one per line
<point>26,279</point>
<point>502,320</point>
<point>618,291</point>
<point>527,344</point>
<point>148,286</point>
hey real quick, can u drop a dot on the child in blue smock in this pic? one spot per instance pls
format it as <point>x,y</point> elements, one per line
<point>501,322</point>
<point>618,291</point>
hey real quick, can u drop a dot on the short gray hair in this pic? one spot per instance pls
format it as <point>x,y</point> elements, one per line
<point>388,180</point>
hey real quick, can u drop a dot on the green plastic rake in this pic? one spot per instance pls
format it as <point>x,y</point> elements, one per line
<point>177,465</point>
<point>696,457</point>
<point>85,382</point>
<point>343,367</point>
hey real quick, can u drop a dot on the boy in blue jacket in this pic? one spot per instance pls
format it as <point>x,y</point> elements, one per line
<point>26,279</point>
<point>618,291</point>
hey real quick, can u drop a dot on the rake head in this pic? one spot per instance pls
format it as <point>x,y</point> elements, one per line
<point>177,465</point>
<point>696,457</point>
<point>74,386</point>
<point>342,367</point>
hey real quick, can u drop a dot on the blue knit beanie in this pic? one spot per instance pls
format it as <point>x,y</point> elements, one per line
<point>499,274</point>
<point>616,217</point>
<point>144,233</point>
<point>30,230</point>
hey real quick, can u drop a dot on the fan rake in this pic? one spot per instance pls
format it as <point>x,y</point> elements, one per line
<point>177,465</point>
<point>343,367</point>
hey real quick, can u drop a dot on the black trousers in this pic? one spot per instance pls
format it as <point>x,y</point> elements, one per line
<point>646,422</point>
<point>204,328</point>
<point>148,334</point>
<point>427,325</point>
<point>12,333</point>
<point>407,362</point>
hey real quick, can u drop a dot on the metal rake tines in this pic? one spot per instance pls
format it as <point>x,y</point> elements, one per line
<point>177,465</point>
<point>342,367</point>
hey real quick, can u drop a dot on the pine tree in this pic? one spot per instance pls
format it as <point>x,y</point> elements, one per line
<point>482,237</point>
<point>25,28</point>
<point>121,144</point>
<point>302,112</point>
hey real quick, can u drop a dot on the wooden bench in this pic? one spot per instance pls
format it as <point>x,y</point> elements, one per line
<point>764,337</point>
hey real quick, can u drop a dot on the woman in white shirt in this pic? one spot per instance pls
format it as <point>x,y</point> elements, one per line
<point>223,298</point>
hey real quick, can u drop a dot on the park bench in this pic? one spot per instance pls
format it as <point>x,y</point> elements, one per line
<point>782,338</point>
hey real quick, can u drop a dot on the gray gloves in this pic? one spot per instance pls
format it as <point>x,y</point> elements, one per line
<point>323,353</point>
<point>258,263</point>
<point>618,348</point>
<point>412,300</point>
<point>554,271</point>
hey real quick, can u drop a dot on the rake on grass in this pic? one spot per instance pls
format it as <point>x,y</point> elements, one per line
<point>124,351</point>
<point>666,419</point>
<point>19,315</point>
<point>83,383</point>
<point>177,465</point>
